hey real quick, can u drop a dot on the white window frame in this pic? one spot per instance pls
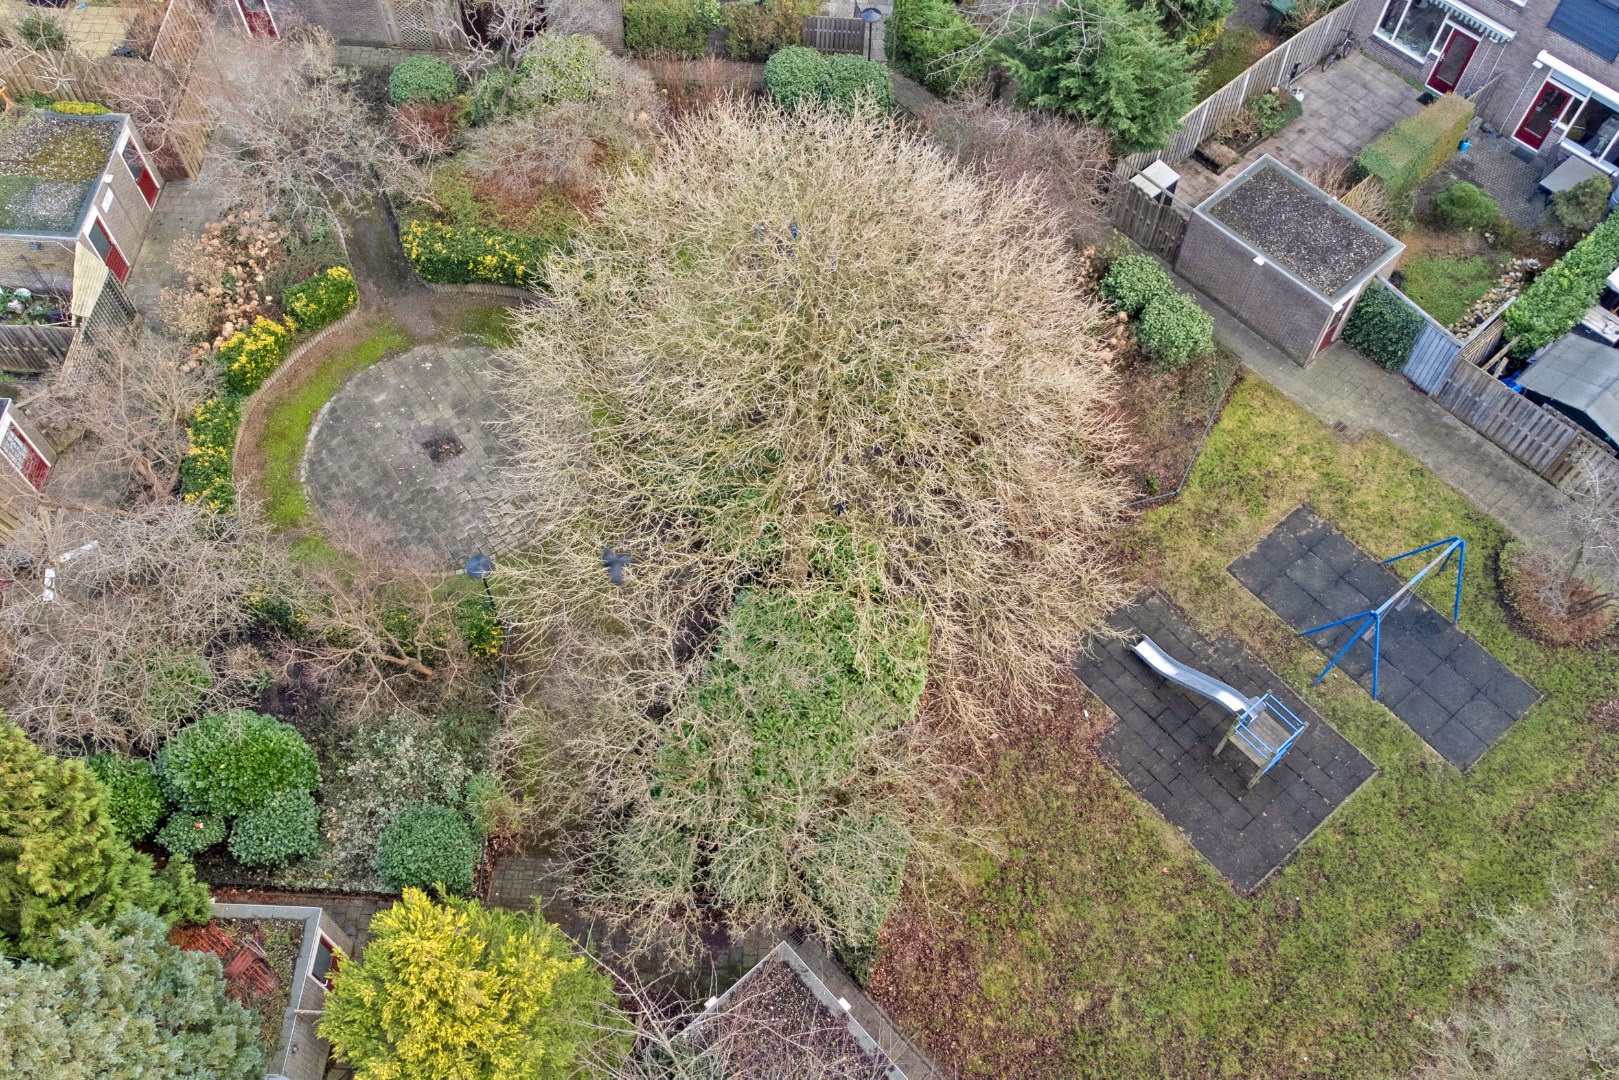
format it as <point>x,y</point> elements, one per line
<point>1391,38</point>
<point>1582,88</point>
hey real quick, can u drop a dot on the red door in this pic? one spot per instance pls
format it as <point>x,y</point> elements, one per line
<point>143,176</point>
<point>1448,72</point>
<point>22,454</point>
<point>1332,329</point>
<point>1538,121</point>
<point>257,17</point>
<point>101,240</point>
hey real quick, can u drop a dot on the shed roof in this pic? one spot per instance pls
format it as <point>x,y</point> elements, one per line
<point>49,168</point>
<point>1582,374</point>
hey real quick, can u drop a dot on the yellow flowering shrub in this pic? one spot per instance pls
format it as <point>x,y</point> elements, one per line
<point>320,301</point>
<point>205,475</point>
<point>249,356</point>
<point>459,254</point>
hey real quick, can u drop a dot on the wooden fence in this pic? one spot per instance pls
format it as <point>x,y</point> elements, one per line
<point>1305,49</point>
<point>31,349</point>
<point>828,34</point>
<point>1159,227</point>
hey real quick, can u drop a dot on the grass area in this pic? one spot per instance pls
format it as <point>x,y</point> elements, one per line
<point>1233,52</point>
<point>1447,286</point>
<point>493,324</point>
<point>1101,945</point>
<point>287,423</point>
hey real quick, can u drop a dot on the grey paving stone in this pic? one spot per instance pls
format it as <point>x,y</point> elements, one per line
<point>1168,758</point>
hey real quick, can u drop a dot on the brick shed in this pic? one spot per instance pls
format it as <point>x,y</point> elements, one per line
<point>1283,256</point>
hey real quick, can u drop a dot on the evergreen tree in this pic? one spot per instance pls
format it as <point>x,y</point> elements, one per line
<point>124,1005</point>
<point>459,990</point>
<point>62,860</point>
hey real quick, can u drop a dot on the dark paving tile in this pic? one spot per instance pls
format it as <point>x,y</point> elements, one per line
<point>1443,684</point>
<point>1167,757</point>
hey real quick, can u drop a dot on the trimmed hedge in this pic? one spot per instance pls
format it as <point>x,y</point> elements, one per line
<point>320,301</point>
<point>1382,327</point>
<point>1557,299</point>
<point>426,845</point>
<point>1173,331</point>
<point>421,78</point>
<point>134,800</point>
<point>678,27</point>
<point>1134,281</point>
<point>1411,150</point>
<point>461,254</point>
<point>796,75</point>
<point>928,38</point>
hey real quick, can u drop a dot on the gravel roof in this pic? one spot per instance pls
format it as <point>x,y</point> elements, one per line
<point>1298,229</point>
<point>49,165</point>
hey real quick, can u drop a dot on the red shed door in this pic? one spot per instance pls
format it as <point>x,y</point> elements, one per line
<point>101,240</point>
<point>143,176</point>
<point>21,453</point>
<point>257,17</point>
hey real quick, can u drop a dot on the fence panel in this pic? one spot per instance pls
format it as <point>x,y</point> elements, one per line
<point>1433,355</point>
<point>1588,456</point>
<point>28,349</point>
<point>1537,437</point>
<point>1305,48</point>
<point>1158,227</point>
<point>827,34</point>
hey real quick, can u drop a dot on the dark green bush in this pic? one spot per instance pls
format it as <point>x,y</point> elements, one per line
<point>796,75</point>
<point>1133,282</point>
<point>234,761</point>
<point>459,254</point>
<point>133,797</point>
<point>676,27</point>
<point>1382,327</point>
<point>421,78</point>
<point>285,828</point>
<point>426,845</point>
<point>1411,150</point>
<point>1173,331</point>
<point>757,31</point>
<point>1463,206</point>
<point>930,41</point>
<point>191,834</point>
<point>1557,299</point>
<point>793,75</point>
<point>320,301</point>
<point>1583,206</point>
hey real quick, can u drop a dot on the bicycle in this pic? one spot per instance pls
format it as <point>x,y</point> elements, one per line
<point>1343,50</point>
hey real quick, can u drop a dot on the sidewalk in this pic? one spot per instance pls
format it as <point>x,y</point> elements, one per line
<point>1344,389</point>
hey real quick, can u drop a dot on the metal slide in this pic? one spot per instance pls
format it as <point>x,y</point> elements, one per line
<point>1190,678</point>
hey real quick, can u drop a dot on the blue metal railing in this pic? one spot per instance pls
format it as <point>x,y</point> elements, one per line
<point>1243,730</point>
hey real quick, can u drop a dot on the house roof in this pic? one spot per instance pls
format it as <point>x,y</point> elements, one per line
<point>1582,374</point>
<point>49,168</point>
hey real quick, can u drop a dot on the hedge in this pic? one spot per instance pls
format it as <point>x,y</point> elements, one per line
<point>320,301</point>
<point>1557,299</point>
<point>1382,327</point>
<point>930,39</point>
<point>796,75</point>
<point>1408,152</point>
<point>461,254</point>
<point>1133,282</point>
<point>679,27</point>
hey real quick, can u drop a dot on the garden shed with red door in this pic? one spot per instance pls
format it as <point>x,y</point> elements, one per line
<point>1283,256</point>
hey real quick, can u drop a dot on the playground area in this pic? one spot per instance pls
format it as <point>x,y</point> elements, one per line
<point>1168,745</point>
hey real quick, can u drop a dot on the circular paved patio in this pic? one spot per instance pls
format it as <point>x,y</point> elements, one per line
<point>411,446</point>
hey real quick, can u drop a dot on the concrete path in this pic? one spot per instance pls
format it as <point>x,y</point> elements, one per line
<point>1355,396</point>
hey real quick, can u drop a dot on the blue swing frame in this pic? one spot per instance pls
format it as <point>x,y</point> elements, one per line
<point>1453,545</point>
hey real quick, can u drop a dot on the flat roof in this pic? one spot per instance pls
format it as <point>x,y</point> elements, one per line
<point>1294,224</point>
<point>1582,374</point>
<point>50,165</point>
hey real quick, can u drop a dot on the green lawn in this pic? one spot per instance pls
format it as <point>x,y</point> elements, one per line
<point>1099,944</point>
<point>286,426</point>
<point>1446,287</point>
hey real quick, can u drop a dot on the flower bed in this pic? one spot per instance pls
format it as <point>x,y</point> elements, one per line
<point>462,254</point>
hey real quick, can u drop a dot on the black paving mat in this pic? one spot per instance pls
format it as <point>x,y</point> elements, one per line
<point>1441,682</point>
<point>1164,746</point>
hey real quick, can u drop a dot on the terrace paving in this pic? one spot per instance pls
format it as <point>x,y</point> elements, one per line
<point>1163,746</point>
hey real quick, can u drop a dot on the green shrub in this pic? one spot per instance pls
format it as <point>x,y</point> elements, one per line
<point>205,474</point>
<point>176,681</point>
<point>426,845</point>
<point>1411,150</point>
<point>564,67</point>
<point>1173,331</point>
<point>675,27</point>
<point>191,834</point>
<point>1382,327</point>
<point>930,41</point>
<point>248,357</point>
<point>1583,206</point>
<point>321,300</point>
<point>478,626</point>
<point>1556,300</point>
<point>757,31</point>
<point>1133,282</point>
<point>1463,206</point>
<point>133,797</point>
<point>796,75</point>
<point>459,254</point>
<point>234,761</point>
<point>793,75</point>
<point>1228,56</point>
<point>285,828</point>
<point>79,108</point>
<point>421,78</point>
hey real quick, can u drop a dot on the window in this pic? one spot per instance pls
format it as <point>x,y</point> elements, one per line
<point>1412,25</point>
<point>1591,23</point>
<point>1594,128</point>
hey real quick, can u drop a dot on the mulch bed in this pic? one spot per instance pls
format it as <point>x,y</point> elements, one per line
<point>1301,232</point>
<point>1166,417</point>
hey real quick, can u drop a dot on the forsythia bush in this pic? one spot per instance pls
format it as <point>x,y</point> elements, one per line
<point>457,989</point>
<point>206,472</point>
<point>459,254</point>
<point>320,301</point>
<point>1559,297</point>
<point>250,355</point>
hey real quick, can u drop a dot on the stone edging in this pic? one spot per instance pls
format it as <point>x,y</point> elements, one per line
<point>292,362</point>
<point>483,288</point>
